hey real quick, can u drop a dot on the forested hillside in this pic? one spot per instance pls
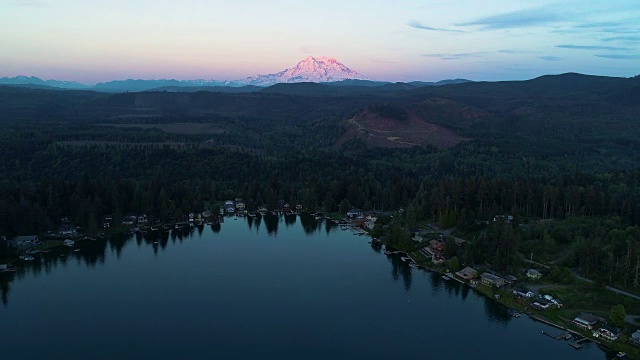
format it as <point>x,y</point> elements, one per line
<point>562,148</point>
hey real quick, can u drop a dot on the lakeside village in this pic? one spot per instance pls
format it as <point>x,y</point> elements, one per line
<point>525,291</point>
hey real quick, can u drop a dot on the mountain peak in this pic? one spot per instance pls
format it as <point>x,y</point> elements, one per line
<point>311,69</point>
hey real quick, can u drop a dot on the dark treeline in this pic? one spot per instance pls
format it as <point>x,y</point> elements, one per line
<point>559,154</point>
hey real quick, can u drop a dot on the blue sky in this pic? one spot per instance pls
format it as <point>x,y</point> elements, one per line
<point>93,41</point>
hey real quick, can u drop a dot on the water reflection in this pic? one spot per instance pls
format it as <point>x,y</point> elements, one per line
<point>91,253</point>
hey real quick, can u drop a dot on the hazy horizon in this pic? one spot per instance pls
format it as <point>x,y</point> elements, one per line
<point>417,40</point>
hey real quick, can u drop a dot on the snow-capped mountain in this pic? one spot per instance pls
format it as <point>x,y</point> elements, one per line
<point>312,69</point>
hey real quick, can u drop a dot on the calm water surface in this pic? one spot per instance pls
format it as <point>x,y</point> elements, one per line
<point>270,288</point>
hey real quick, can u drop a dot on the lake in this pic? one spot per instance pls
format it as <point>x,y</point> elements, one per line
<point>278,287</point>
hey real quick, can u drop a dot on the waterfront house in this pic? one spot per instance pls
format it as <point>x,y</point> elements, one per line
<point>523,293</point>
<point>510,279</point>
<point>298,207</point>
<point>142,219</point>
<point>541,304</point>
<point>607,332</point>
<point>534,274</point>
<point>468,273</point>
<point>492,280</point>
<point>69,243</point>
<point>436,245</point>
<point>354,213</point>
<point>128,220</point>
<point>586,320</point>
<point>635,338</point>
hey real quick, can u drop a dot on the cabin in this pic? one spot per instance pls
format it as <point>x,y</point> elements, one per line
<point>607,332</point>
<point>492,280</point>
<point>586,321</point>
<point>541,304</point>
<point>468,273</point>
<point>240,204</point>
<point>436,245</point>
<point>510,279</point>
<point>354,213</point>
<point>299,207</point>
<point>229,206</point>
<point>142,219</point>
<point>534,274</point>
<point>523,293</point>
<point>506,218</point>
<point>635,338</point>
<point>69,243</point>
<point>206,214</point>
<point>129,220</point>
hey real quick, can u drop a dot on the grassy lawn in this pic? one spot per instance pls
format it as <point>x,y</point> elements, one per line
<point>49,244</point>
<point>594,298</point>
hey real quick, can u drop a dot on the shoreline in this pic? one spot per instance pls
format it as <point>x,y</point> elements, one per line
<point>535,317</point>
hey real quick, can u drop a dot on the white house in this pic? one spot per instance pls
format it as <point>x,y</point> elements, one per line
<point>534,274</point>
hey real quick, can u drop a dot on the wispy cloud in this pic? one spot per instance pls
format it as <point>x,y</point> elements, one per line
<point>515,51</point>
<point>550,58</point>
<point>630,38</point>
<point>417,25</point>
<point>619,56</point>
<point>591,47</point>
<point>454,56</point>
<point>516,19</point>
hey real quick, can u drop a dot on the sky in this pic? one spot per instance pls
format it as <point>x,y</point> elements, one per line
<point>402,40</point>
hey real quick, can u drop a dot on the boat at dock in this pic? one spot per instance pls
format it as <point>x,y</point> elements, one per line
<point>445,278</point>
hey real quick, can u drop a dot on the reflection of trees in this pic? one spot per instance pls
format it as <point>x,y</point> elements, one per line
<point>377,247</point>
<point>271,222</point>
<point>496,311</point>
<point>215,227</point>
<point>407,276</point>
<point>309,224</point>
<point>5,279</point>
<point>290,220</point>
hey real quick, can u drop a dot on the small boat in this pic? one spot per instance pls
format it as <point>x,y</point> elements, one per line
<point>620,355</point>
<point>497,296</point>
<point>445,278</point>
<point>515,314</point>
<point>154,228</point>
<point>76,250</point>
<point>28,258</point>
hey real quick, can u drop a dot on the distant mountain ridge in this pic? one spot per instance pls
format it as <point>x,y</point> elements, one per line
<point>325,70</point>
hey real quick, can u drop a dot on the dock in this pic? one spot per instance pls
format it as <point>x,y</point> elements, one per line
<point>557,337</point>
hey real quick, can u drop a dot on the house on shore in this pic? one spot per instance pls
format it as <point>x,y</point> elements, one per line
<point>492,280</point>
<point>541,304</point>
<point>586,321</point>
<point>467,273</point>
<point>523,293</point>
<point>635,338</point>
<point>607,332</point>
<point>354,213</point>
